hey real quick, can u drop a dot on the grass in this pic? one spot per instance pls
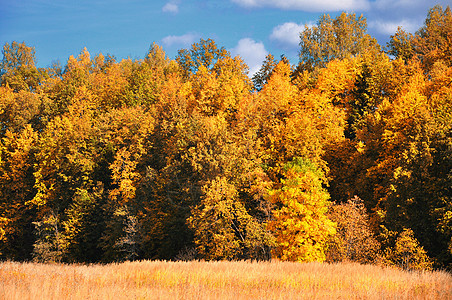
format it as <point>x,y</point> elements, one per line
<point>218,280</point>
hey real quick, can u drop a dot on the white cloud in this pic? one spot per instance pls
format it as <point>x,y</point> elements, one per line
<point>390,27</point>
<point>386,15</point>
<point>180,40</point>
<point>171,7</point>
<point>307,5</point>
<point>287,34</point>
<point>400,4</point>
<point>252,52</point>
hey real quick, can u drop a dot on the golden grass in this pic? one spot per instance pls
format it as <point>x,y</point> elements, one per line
<point>218,280</point>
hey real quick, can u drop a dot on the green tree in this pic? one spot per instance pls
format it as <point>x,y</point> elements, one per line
<point>264,73</point>
<point>83,225</point>
<point>400,45</point>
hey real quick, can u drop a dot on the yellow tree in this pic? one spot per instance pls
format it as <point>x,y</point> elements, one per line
<point>145,78</point>
<point>16,189</point>
<point>433,41</point>
<point>290,122</point>
<point>77,74</point>
<point>222,226</point>
<point>407,254</point>
<point>18,109</point>
<point>17,68</point>
<point>300,223</point>
<point>354,240</point>
<point>330,39</point>
<point>122,144</point>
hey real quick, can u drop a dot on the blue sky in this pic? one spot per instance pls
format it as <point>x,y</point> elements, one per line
<point>249,28</point>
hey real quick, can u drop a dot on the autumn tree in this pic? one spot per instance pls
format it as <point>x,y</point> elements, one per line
<point>17,68</point>
<point>300,223</point>
<point>199,133</point>
<point>205,53</point>
<point>330,39</point>
<point>433,41</point>
<point>223,228</point>
<point>77,75</point>
<point>354,240</point>
<point>145,78</point>
<point>22,108</point>
<point>17,182</point>
<point>50,245</point>
<point>407,254</point>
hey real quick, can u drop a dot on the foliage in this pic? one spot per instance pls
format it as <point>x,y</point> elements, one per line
<point>300,223</point>
<point>331,39</point>
<point>153,158</point>
<point>354,240</point>
<point>407,254</point>
<point>263,75</point>
<point>205,53</point>
<point>50,243</point>
<point>17,69</point>
<point>223,228</point>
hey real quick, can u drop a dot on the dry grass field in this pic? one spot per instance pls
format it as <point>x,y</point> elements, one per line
<point>218,280</point>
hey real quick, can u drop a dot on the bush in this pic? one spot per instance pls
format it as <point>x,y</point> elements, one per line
<point>407,254</point>
<point>354,241</point>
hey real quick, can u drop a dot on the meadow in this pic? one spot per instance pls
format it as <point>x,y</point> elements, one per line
<point>219,280</point>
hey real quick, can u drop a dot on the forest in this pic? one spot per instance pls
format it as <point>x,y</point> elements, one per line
<point>345,156</point>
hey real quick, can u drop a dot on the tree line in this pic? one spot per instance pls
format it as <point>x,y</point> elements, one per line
<point>345,156</point>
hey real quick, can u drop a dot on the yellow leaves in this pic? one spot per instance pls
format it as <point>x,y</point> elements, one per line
<point>407,254</point>
<point>338,79</point>
<point>124,175</point>
<point>299,223</point>
<point>279,91</point>
<point>83,61</point>
<point>109,86</point>
<point>3,225</point>
<point>205,88</point>
<point>221,89</point>
<point>223,228</point>
<point>16,163</point>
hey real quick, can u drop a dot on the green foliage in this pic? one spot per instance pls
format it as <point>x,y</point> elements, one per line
<point>83,225</point>
<point>264,73</point>
<point>400,46</point>
<point>205,53</point>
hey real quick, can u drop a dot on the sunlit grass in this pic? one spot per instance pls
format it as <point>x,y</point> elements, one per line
<point>218,280</point>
